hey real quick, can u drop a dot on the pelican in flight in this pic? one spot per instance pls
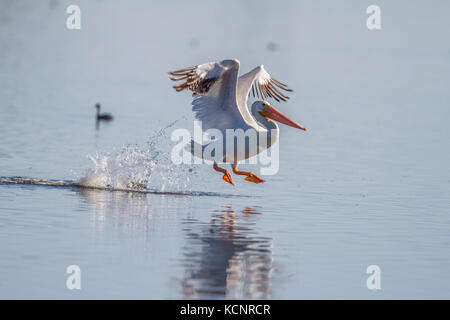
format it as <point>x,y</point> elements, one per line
<point>220,102</point>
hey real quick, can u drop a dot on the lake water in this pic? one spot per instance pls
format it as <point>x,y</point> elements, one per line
<point>367,184</point>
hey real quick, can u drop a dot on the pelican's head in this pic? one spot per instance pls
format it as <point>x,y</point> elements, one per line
<point>267,111</point>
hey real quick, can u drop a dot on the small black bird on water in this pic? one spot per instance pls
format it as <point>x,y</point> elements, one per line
<point>103,116</point>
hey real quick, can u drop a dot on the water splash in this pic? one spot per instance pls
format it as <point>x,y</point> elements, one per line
<point>134,167</point>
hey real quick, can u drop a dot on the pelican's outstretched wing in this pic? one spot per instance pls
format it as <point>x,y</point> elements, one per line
<point>198,79</point>
<point>214,100</point>
<point>262,85</point>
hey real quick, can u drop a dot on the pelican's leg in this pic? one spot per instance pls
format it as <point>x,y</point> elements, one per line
<point>226,175</point>
<point>250,176</point>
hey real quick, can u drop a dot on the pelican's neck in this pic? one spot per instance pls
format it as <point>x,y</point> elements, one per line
<point>271,127</point>
<point>248,117</point>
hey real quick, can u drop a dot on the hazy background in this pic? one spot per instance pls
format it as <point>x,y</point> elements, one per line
<point>369,183</point>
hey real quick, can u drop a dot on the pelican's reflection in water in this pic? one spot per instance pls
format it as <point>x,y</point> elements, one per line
<point>222,257</point>
<point>225,258</point>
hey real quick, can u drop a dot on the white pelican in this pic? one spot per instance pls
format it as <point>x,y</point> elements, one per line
<point>220,102</point>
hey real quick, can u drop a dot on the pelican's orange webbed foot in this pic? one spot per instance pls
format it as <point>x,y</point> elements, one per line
<point>253,178</point>
<point>250,176</point>
<point>226,175</point>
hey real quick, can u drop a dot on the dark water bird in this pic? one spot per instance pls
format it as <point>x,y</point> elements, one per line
<point>103,116</point>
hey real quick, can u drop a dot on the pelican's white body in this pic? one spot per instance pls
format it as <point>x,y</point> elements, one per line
<point>224,108</point>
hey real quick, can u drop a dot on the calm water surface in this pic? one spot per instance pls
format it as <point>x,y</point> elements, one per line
<point>368,184</point>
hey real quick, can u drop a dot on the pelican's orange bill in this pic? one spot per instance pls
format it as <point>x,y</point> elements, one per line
<point>274,114</point>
